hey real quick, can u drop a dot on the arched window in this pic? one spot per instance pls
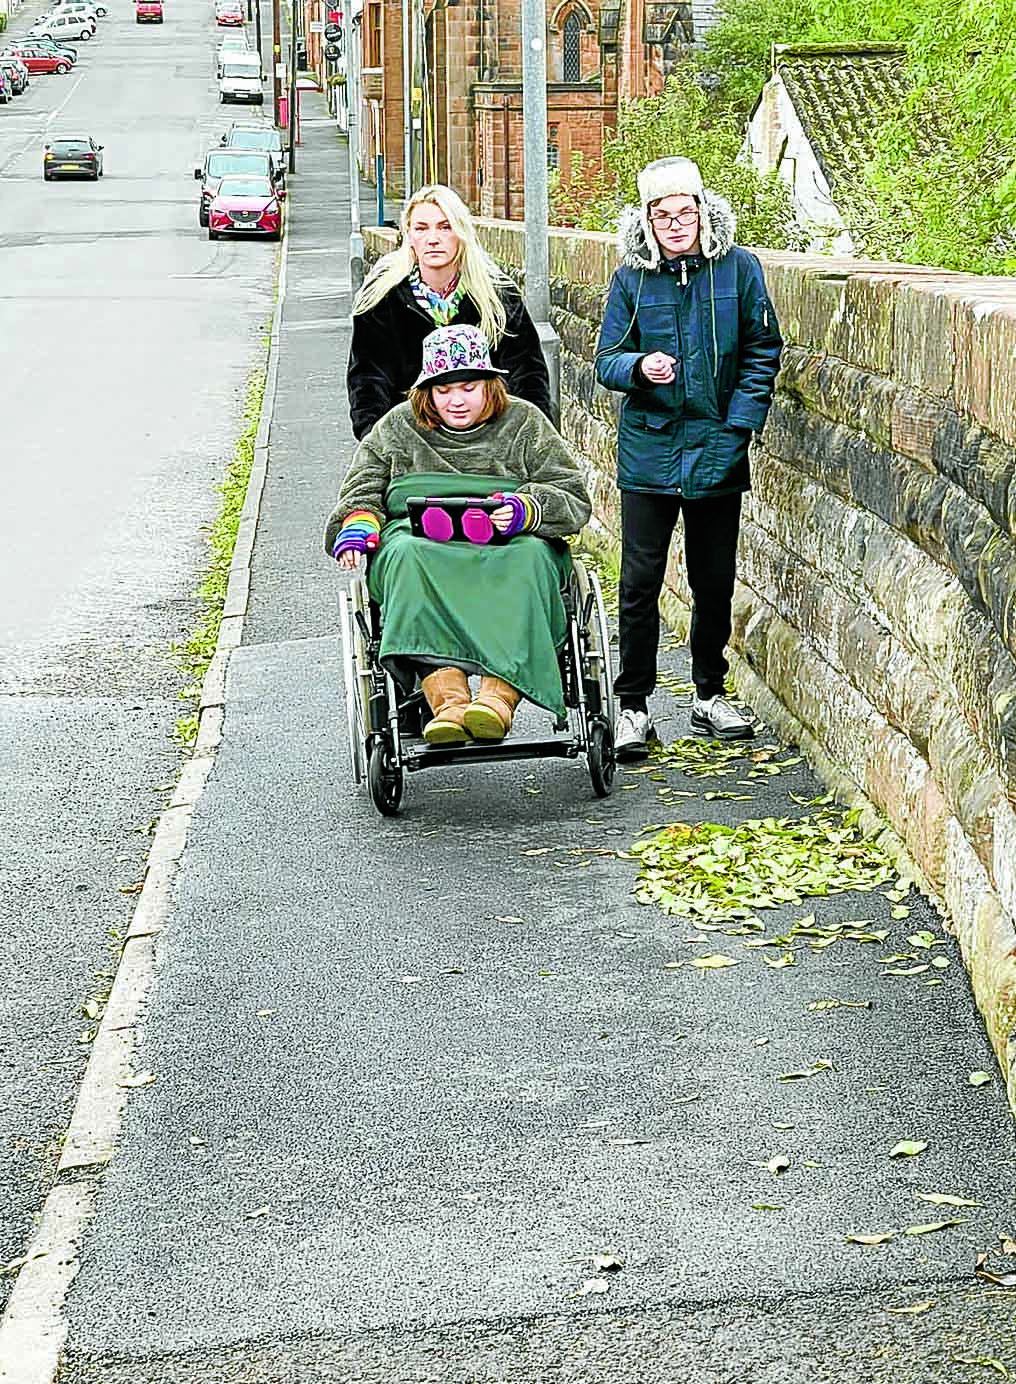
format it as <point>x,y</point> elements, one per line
<point>572,44</point>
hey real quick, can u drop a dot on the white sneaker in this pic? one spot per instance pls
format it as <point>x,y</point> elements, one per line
<point>719,720</point>
<point>632,733</point>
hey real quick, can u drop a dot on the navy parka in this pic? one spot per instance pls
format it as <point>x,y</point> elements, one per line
<point>690,437</point>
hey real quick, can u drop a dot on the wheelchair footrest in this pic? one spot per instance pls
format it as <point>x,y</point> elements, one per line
<point>487,752</point>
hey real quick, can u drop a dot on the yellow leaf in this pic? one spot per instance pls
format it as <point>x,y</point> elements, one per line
<point>713,963</point>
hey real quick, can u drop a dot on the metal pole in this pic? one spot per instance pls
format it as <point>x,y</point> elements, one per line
<point>276,55</point>
<point>353,136</point>
<point>407,101</point>
<point>292,85</point>
<point>534,115</point>
<point>257,28</point>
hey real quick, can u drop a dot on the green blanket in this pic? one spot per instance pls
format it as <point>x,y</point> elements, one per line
<point>494,610</point>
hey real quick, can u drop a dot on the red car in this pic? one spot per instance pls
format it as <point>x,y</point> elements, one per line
<point>245,206</point>
<point>229,12</point>
<point>39,59</point>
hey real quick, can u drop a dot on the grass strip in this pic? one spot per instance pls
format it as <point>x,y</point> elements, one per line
<point>194,655</point>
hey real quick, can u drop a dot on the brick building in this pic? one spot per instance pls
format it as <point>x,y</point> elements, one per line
<point>466,87</point>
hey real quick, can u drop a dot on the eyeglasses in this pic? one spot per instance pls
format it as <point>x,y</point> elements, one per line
<point>663,219</point>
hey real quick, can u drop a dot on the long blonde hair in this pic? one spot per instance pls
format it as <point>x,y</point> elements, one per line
<point>479,275</point>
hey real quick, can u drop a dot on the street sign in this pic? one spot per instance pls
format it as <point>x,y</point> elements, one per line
<point>316,26</point>
<point>280,71</point>
<point>332,32</point>
<point>333,52</point>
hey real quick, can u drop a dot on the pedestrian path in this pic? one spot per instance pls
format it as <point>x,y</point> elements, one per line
<point>438,1099</point>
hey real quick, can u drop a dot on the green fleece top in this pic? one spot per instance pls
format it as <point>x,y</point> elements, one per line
<point>521,445</point>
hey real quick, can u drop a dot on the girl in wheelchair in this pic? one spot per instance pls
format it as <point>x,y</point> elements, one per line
<point>464,589</point>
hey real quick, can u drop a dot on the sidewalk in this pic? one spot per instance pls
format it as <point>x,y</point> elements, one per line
<point>413,1075</point>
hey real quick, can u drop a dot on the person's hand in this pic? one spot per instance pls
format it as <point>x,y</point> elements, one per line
<point>502,518</point>
<point>349,561</point>
<point>658,367</point>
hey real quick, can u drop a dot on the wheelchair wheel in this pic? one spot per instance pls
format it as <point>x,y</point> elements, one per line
<point>600,755</point>
<point>356,668</point>
<point>598,669</point>
<point>384,778</point>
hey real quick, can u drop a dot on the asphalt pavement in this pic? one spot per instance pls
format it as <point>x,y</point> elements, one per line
<point>413,1075</point>
<point>126,346</point>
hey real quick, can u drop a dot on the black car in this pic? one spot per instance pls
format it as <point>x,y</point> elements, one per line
<point>5,88</point>
<point>220,162</point>
<point>76,156</point>
<point>16,73</point>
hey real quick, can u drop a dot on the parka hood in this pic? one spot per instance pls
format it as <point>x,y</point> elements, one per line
<point>640,249</point>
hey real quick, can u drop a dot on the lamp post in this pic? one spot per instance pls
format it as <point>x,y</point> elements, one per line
<point>352,132</point>
<point>276,55</point>
<point>534,117</point>
<point>292,86</point>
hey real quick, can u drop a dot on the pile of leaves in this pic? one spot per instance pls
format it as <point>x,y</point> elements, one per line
<point>718,873</point>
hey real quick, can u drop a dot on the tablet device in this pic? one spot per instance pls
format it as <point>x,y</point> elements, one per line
<point>454,519</point>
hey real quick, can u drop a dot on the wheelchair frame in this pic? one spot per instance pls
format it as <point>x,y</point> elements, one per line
<point>383,724</point>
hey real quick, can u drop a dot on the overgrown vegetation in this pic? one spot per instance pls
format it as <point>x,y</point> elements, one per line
<point>684,118</point>
<point>194,656</point>
<point>956,210</point>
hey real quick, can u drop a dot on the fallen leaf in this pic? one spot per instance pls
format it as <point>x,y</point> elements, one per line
<point>907,970</point>
<point>1000,1280</point>
<point>91,1009</point>
<point>607,1263</point>
<point>942,1199</point>
<point>820,1005</point>
<point>913,1309</point>
<point>258,1213</point>
<point>593,1285</point>
<point>783,1124</point>
<point>987,1361</point>
<point>779,1163</point>
<point>819,1066</point>
<point>687,1100</point>
<point>940,962</point>
<point>933,1226</point>
<point>878,1237</point>
<point>410,980</point>
<point>1008,1246</point>
<point>923,939</point>
<point>778,963</point>
<point>908,1148</point>
<point>507,918</point>
<point>540,850</point>
<point>15,1264</point>
<point>979,1078</point>
<point>712,963</point>
<point>142,1079</point>
<point>627,1143</point>
<point>765,1206</point>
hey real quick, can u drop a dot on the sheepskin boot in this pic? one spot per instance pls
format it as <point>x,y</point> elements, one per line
<point>489,714</point>
<point>447,693</point>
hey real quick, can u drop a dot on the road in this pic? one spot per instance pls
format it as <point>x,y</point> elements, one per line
<point>126,347</point>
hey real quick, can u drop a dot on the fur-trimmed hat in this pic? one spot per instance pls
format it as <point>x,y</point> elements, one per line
<point>678,177</point>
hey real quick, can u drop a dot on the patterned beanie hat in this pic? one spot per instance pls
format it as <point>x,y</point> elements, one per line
<point>455,353</point>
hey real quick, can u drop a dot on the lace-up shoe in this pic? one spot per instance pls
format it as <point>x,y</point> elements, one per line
<point>632,734</point>
<point>717,719</point>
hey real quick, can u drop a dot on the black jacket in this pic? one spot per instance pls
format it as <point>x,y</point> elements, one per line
<point>387,351</point>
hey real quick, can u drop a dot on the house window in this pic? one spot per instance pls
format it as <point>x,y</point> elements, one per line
<point>372,36</point>
<point>572,44</point>
<point>553,150</point>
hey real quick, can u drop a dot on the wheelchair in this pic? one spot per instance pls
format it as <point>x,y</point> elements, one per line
<point>385,721</point>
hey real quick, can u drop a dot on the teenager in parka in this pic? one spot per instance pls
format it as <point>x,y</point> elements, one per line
<point>690,338</point>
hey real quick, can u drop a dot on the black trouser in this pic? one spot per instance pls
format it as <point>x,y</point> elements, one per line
<point>710,549</point>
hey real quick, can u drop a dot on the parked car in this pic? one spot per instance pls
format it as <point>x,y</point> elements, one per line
<point>58,6</point>
<point>76,155</point>
<point>240,79</point>
<point>220,163</point>
<point>245,205</point>
<point>260,136</point>
<point>63,26</point>
<point>75,9</point>
<point>39,59</point>
<point>228,12</point>
<point>16,73</point>
<point>59,50</point>
<point>148,11</point>
<point>5,88</point>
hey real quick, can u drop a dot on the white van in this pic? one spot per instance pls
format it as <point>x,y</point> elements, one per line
<point>240,78</point>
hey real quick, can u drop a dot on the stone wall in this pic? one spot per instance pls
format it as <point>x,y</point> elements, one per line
<point>875,618</point>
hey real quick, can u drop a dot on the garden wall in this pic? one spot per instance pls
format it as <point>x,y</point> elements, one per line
<point>875,618</point>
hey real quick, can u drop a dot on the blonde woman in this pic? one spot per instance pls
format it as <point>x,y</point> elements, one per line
<point>440,275</point>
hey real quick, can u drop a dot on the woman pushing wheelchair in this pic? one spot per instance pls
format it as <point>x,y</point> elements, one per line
<point>464,590</point>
